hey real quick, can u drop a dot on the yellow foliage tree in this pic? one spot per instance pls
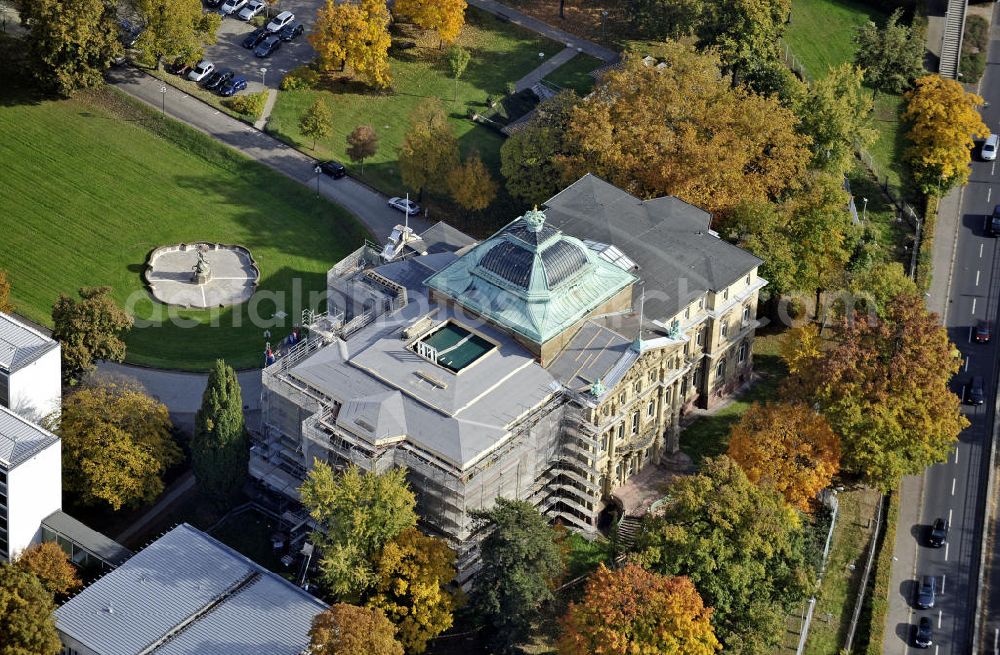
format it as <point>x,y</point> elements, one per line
<point>943,123</point>
<point>787,447</point>
<point>351,630</point>
<point>355,35</point>
<point>802,348</point>
<point>471,185</point>
<point>50,564</point>
<point>445,16</point>
<point>430,150</point>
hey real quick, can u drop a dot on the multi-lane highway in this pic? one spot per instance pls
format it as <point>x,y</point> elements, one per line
<point>956,489</point>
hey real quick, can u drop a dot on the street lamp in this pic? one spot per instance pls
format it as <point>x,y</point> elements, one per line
<point>263,72</point>
<point>163,100</point>
<point>604,19</point>
<point>864,210</point>
<point>317,170</point>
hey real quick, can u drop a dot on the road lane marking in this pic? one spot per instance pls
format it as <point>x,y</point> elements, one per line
<point>973,305</point>
<point>977,278</point>
<point>996,640</point>
<point>989,191</point>
<point>956,454</point>
<point>949,517</point>
<point>939,618</point>
<point>967,363</point>
<point>953,486</point>
<point>943,579</point>
<point>946,551</point>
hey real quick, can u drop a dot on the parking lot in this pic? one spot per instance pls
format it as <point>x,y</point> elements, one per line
<point>229,53</point>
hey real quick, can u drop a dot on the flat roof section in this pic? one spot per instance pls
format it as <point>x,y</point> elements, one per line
<point>20,344</point>
<point>454,347</point>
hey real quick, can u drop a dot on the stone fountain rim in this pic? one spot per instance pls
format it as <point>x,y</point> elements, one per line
<point>184,247</point>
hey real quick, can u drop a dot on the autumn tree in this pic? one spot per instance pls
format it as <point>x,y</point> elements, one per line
<point>429,150</point>
<point>412,574</point>
<point>350,630</point>
<point>746,33</point>
<point>362,143</point>
<point>51,566</point>
<point>26,614</point>
<point>680,118</point>
<point>883,386</point>
<point>879,284</point>
<point>527,158</point>
<point>174,28</point>
<point>317,121</point>
<point>458,60</point>
<point>665,19</point>
<point>358,514</point>
<point>835,113</point>
<point>446,17</point>
<point>355,35</point>
<point>220,450</point>
<point>6,305</point>
<point>116,445</point>
<point>741,545</point>
<point>471,184</point>
<point>943,122</point>
<point>88,329</point>
<point>631,611</point>
<point>787,447</point>
<point>520,562</point>
<point>892,55</point>
<point>69,45</point>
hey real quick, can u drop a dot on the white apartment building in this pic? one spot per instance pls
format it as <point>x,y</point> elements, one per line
<point>30,379</point>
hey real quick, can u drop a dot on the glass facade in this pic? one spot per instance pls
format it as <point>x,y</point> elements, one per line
<point>3,516</point>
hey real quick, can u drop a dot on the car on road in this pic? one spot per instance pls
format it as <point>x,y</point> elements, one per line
<point>939,533</point>
<point>984,331</point>
<point>993,223</point>
<point>252,8</point>
<point>989,151</point>
<point>267,47</point>
<point>254,38</point>
<point>924,637</point>
<point>404,205</point>
<point>279,22</point>
<point>976,393</point>
<point>201,70</point>
<point>926,592</point>
<point>289,32</point>
<point>334,169</point>
<point>217,79</point>
<point>233,86</point>
<point>231,6</point>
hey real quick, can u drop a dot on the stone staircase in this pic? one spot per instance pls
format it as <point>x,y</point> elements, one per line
<point>951,40</point>
<point>628,528</point>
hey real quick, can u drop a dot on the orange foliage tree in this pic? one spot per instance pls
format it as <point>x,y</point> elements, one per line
<point>50,564</point>
<point>351,630</point>
<point>445,16</point>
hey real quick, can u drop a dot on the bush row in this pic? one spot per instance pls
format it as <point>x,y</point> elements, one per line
<point>250,105</point>
<point>877,605</point>
<point>926,245</point>
<point>975,44</point>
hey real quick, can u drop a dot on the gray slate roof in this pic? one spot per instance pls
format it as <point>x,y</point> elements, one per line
<point>21,439</point>
<point>668,238</point>
<point>188,594</point>
<point>20,344</point>
<point>92,541</point>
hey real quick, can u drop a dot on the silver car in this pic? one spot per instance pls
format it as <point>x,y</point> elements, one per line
<point>231,6</point>
<point>404,205</point>
<point>251,9</point>
<point>201,70</point>
<point>990,148</point>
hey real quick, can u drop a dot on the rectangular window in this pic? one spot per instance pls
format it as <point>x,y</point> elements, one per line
<point>604,442</point>
<point>725,294</point>
<point>742,355</point>
<point>720,370</point>
<point>666,396</point>
<point>748,279</point>
<point>638,386</point>
<point>725,328</point>
<point>701,303</point>
<point>635,422</point>
<point>746,314</point>
<point>651,408</point>
<point>621,431</point>
<point>687,312</point>
<point>700,337</point>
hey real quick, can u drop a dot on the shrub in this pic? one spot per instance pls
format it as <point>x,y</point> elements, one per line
<point>300,79</point>
<point>877,604</point>
<point>923,273</point>
<point>975,44</point>
<point>250,105</point>
<point>259,20</point>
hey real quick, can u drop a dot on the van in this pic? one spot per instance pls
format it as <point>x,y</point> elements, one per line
<point>990,148</point>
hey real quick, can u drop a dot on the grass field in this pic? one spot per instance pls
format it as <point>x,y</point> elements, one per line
<point>575,74</point>
<point>92,184</point>
<point>821,32</point>
<point>501,53</point>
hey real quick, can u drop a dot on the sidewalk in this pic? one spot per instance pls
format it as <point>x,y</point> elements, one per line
<point>537,75</point>
<point>898,618</point>
<point>943,252</point>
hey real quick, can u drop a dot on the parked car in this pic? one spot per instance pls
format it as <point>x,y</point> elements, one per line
<point>251,9</point>
<point>924,638</point>
<point>233,86</point>
<point>218,79</point>
<point>976,394</point>
<point>405,205</point>
<point>993,223</point>
<point>254,38</point>
<point>230,6</point>
<point>939,533</point>
<point>280,21</point>
<point>179,67</point>
<point>926,592</point>
<point>213,3</point>
<point>266,47</point>
<point>989,151</point>
<point>128,32</point>
<point>201,70</point>
<point>289,32</point>
<point>984,331</point>
<point>334,169</point>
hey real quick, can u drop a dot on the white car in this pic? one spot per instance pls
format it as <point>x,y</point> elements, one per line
<point>279,21</point>
<point>406,206</point>
<point>202,70</point>
<point>251,9</point>
<point>230,6</point>
<point>990,148</point>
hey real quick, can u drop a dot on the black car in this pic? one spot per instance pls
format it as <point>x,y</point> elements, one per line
<point>927,592</point>
<point>218,80</point>
<point>939,533</point>
<point>233,86</point>
<point>179,67</point>
<point>334,169</point>
<point>976,393</point>
<point>268,46</point>
<point>984,331</point>
<point>213,3</point>
<point>254,38</point>
<point>993,224</point>
<point>925,633</point>
<point>289,32</point>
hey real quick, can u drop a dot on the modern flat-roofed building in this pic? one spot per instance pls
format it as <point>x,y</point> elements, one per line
<point>30,379</point>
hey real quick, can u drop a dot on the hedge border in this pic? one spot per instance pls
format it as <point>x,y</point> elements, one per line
<point>922,276</point>
<point>878,606</point>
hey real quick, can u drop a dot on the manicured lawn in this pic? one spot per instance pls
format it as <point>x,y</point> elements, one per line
<point>575,74</point>
<point>91,185</point>
<point>501,53</point>
<point>821,32</point>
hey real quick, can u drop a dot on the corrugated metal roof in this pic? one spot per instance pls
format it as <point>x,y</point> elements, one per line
<point>20,344</point>
<point>20,439</point>
<point>188,594</point>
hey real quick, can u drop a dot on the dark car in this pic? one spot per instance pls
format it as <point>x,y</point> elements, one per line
<point>939,533</point>
<point>993,224</point>
<point>984,331</point>
<point>925,633</point>
<point>268,46</point>
<point>926,592</point>
<point>289,32</point>
<point>179,67</point>
<point>128,32</point>
<point>233,86</point>
<point>218,80</point>
<point>976,394</point>
<point>255,37</point>
<point>334,169</point>
<point>213,3</point>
